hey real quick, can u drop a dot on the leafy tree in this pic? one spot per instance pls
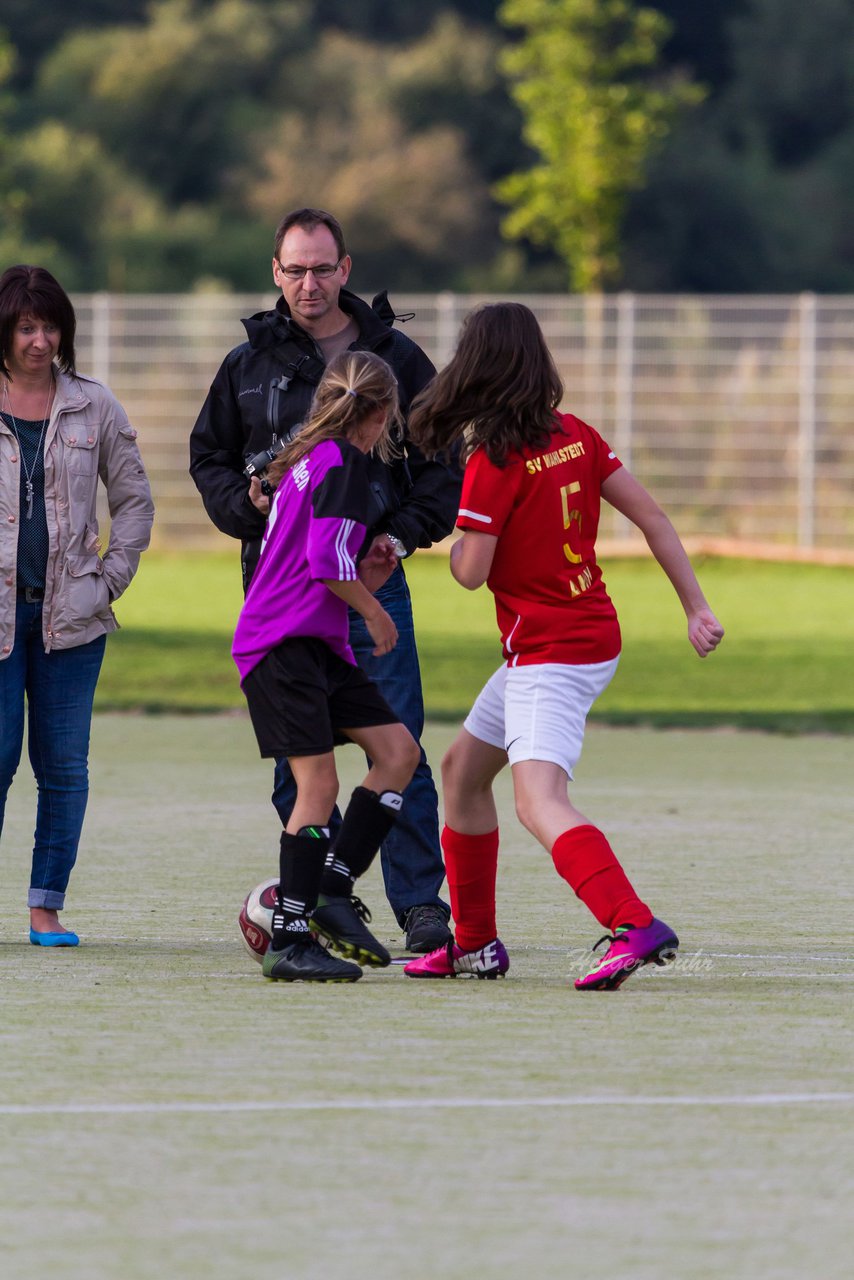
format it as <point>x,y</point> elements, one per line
<point>582,76</point>
<point>706,222</point>
<point>175,98</point>
<point>451,77</point>
<point>381,22</point>
<point>16,245</point>
<point>223,115</point>
<point>93,223</point>
<point>699,38</point>
<point>793,88</point>
<point>753,194</point>
<point>412,203</point>
<point>36,28</point>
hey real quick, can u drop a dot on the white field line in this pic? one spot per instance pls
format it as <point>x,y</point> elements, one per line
<point>772,955</point>
<point>167,944</point>
<point>795,957</point>
<point>425,1104</point>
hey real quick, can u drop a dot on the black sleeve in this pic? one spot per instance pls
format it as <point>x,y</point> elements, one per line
<point>344,492</point>
<point>429,509</point>
<point>216,461</point>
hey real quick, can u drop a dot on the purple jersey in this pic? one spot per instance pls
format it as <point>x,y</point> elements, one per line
<point>317,524</point>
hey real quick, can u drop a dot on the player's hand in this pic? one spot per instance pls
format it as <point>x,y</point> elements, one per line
<point>383,544</point>
<point>378,563</point>
<point>382,631</point>
<point>704,631</point>
<point>258,499</point>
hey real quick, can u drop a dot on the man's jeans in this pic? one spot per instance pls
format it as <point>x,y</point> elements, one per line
<point>60,690</point>
<point>411,860</point>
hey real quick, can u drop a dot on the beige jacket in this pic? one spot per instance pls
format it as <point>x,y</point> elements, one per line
<point>88,436</point>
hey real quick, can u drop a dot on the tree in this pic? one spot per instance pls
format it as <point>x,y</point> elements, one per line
<point>174,99</point>
<point>15,243</point>
<point>584,77</point>
<point>220,116</point>
<point>34,29</point>
<point>753,192</point>
<point>411,200</point>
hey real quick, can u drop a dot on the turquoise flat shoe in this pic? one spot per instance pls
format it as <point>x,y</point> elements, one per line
<point>66,939</point>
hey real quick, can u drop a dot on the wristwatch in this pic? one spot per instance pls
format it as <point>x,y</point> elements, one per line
<point>399,549</point>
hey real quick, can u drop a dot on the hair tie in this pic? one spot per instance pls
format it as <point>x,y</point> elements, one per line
<point>351,392</point>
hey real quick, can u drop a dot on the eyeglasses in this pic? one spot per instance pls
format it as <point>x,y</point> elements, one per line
<point>321,272</point>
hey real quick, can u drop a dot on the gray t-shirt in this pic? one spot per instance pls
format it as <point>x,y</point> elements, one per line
<point>339,341</point>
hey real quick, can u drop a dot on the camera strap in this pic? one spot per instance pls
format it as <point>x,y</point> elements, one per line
<point>304,366</point>
<point>297,365</point>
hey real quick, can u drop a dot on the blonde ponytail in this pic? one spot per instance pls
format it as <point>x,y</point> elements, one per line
<point>355,384</point>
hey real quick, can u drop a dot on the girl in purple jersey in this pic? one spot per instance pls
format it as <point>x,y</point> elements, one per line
<point>305,692</point>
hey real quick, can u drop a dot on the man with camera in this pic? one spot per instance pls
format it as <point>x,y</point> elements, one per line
<point>260,395</point>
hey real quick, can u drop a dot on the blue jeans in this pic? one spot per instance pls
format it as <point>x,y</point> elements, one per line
<point>60,688</point>
<point>411,859</point>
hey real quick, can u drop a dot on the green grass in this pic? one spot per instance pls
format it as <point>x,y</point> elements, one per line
<point>166,1112</point>
<point>786,662</point>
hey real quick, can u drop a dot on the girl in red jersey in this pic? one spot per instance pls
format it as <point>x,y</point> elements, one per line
<point>529,513</point>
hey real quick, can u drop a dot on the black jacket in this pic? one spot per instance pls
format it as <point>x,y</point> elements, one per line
<point>264,388</point>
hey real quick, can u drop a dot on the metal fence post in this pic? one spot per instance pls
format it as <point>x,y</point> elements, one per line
<point>806,420</point>
<point>624,390</point>
<point>101,337</point>
<point>446,327</point>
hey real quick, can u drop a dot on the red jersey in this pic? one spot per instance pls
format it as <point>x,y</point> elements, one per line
<point>543,507</point>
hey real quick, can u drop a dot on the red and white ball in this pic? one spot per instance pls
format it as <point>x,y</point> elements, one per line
<point>256,918</point>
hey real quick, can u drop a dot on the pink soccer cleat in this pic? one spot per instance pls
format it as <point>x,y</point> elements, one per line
<point>630,949</point>
<point>489,961</point>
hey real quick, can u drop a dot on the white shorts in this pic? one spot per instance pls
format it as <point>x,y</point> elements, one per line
<point>539,712</point>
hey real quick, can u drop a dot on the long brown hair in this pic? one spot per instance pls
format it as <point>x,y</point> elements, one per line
<point>500,390</point>
<point>355,384</point>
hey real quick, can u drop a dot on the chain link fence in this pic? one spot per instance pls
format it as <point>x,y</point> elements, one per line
<point>734,411</point>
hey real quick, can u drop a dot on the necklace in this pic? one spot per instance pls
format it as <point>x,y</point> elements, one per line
<point>28,471</point>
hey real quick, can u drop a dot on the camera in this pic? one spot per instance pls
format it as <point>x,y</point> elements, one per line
<point>259,462</point>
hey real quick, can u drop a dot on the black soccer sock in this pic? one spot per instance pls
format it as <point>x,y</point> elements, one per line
<point>301,861</point>
<point>367,821</point>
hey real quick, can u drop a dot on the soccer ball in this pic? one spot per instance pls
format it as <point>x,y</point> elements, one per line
<point>256,918</point>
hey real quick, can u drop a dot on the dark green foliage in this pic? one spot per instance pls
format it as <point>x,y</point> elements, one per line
<point>153,144</point>
<point>754,193</point>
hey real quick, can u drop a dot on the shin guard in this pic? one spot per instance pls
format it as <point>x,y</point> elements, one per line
<point>471,865</point>
<point>585,859</point>
<point>367,821</point>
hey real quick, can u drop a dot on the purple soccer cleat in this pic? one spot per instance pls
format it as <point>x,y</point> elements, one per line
<point>489,961</point>
<point>630,950</point>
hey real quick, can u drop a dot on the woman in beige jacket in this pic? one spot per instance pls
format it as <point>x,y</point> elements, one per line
<point>59,433</point>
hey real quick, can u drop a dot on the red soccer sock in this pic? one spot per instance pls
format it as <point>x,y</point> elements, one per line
<point>584,858</point>
<point>471,863</point>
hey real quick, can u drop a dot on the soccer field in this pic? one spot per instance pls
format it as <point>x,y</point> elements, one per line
<point>167,1112</point>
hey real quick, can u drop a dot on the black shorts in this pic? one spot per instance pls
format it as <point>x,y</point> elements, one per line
<point>302,696</point>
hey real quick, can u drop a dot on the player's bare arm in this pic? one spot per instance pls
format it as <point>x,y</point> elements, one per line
<point>380,626</point>
<point>471,558</point>
<point>632,500</point>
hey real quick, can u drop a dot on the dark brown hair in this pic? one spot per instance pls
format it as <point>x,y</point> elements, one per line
<point>308,219</point>
<point>33,291</point>
<point>355,384</point>
<point>500,390</point>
